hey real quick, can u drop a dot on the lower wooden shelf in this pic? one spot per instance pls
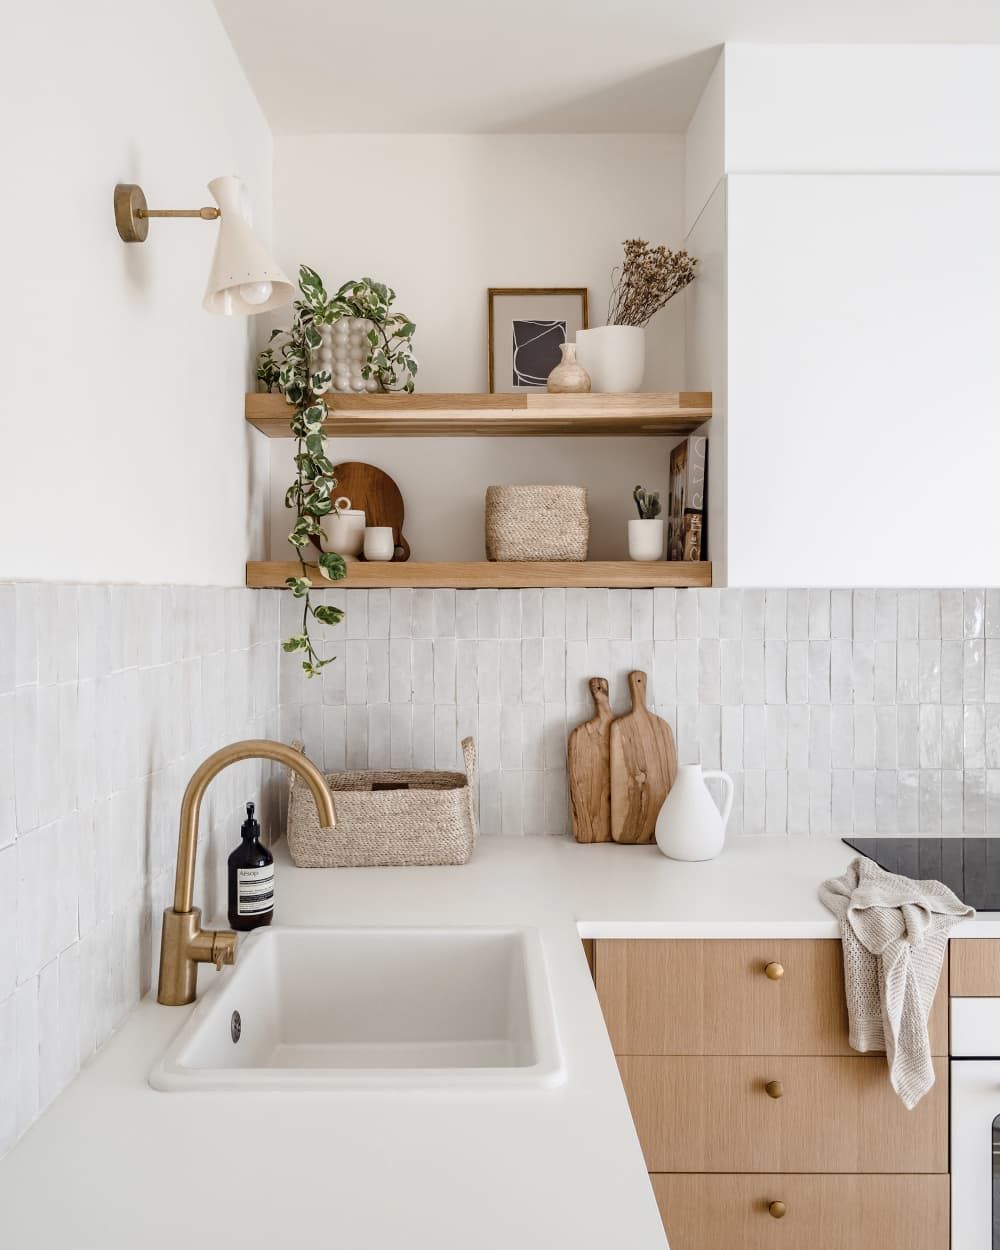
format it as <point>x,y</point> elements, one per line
<point>620,574</point>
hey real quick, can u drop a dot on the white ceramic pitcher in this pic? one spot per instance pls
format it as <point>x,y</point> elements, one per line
<point>689,825</point>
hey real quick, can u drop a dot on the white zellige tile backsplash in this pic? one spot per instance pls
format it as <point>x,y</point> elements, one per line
<point>835,711</point>
<point>110,696</point>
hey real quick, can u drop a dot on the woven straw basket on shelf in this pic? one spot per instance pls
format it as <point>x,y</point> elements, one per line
<point>387,819</point>
<point>536,523</point>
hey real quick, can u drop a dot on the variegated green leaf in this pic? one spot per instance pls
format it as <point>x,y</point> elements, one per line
<point>333,565</point>
<point>327,614</point>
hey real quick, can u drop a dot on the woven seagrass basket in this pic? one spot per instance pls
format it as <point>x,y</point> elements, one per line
<point>536,523</point>
<point>387,819</point>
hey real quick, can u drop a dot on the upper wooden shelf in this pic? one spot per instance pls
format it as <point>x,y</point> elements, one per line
<point>530,414</point>
<point>621,574</point>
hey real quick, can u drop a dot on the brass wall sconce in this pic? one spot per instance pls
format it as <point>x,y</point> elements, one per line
<point>244,278</point>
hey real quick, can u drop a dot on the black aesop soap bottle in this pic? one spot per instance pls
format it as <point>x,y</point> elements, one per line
<point>251,879</point>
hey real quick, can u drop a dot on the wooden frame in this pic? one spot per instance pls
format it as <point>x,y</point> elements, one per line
<point>526,291</point>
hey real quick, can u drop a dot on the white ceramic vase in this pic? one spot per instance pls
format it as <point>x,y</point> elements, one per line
<point>645,539</point>
<point>689,825</point>
<point>614,356</point>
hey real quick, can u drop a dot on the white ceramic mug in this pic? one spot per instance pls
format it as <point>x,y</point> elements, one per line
<point>379,542</point>
<point>344,529</point>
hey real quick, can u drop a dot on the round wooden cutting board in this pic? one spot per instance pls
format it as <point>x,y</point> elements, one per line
<point>374,491</point>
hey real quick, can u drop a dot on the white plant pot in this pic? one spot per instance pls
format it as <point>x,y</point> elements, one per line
<point>689,825</point>
<point>645,539</point>
<point>614,356</point>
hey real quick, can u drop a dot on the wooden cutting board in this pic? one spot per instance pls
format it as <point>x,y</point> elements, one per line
<point>589,757</point>
<point>643,767</point>
<point>374,491</point>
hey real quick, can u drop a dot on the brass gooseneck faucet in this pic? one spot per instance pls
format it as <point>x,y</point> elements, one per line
<point>185,943</point>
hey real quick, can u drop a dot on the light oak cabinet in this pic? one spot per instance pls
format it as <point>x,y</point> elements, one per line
<point>974,967</point>
<point>716,1212</point>
<point>793,1113</point>
<point>731,998</point>
<point>745,1093</point>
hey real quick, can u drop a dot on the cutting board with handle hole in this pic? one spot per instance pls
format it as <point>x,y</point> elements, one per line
<point>589,763</point>
<point>643,767</point>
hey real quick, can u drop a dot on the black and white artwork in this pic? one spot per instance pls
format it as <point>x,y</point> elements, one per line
<point>535,349</point>
<point>527,328</point>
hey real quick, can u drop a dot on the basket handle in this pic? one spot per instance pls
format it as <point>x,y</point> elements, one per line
<point>471,759</point>
<point>300,746</point>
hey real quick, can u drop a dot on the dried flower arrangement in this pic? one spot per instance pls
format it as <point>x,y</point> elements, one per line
<point>646,280</point>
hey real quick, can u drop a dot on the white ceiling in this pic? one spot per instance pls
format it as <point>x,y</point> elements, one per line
<point>543,66</point>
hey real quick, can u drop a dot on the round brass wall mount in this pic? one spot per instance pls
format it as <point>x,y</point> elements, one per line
<point>130,210</point>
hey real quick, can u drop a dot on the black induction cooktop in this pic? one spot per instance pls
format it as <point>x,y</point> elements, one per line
<point>969,866</point>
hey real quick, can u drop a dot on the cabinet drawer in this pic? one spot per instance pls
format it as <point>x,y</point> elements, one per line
<point>974,967</point>
<point>821,1212</point>
<point>823,1115</point>
<point>692,997</point>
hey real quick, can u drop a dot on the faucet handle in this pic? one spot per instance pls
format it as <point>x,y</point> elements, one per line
<point>223,948</point>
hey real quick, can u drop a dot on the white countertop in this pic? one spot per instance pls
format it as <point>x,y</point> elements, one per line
<point>115,1165</point>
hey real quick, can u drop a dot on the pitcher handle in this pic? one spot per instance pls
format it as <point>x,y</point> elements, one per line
<point>727,805</point>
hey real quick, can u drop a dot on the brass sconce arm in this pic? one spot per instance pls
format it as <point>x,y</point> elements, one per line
<point>132,214</point>
<point>206,214</point>
<point>184,943</point>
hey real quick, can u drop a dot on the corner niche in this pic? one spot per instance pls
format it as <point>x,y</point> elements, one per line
<point>531,415</point>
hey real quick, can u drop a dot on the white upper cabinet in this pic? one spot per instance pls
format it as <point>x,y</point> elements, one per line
<point>864,380</point>
<point>855,339</point>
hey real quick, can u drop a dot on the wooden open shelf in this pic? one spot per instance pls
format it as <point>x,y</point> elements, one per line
<point>531,414</point>
<point>620,574</point>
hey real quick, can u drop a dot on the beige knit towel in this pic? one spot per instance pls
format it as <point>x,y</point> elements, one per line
<point>895,936</point>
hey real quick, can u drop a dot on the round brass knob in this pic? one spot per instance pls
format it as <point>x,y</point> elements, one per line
<point>776,1210</point>
<point>774,1089</point>
<point>774,972</point>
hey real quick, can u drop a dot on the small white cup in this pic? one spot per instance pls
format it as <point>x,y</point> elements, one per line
<point>379,542</point>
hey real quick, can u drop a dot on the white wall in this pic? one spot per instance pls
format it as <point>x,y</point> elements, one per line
<point>876,108</point>
<point>443,482</point>
<point>705,145</point>
<point>125,452</point>
<point>707,363</point>
<point>442,218</point>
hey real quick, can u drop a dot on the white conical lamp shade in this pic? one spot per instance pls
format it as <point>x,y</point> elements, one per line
<point>242,268</point>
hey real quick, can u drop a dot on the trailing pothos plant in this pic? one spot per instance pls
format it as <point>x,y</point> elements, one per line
<point>291,372</point>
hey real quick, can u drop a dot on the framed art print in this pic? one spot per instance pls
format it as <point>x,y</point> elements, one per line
<point>527,328</point>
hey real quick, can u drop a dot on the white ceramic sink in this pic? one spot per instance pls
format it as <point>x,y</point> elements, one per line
<point>406,1008</point>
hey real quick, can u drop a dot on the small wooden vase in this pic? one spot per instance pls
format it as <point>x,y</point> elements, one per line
<point>569,377</point>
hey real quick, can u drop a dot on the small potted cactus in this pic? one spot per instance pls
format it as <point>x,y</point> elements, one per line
<point>645,535</point>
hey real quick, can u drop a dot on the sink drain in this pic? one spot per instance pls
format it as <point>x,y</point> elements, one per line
<point>235,1026</point>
